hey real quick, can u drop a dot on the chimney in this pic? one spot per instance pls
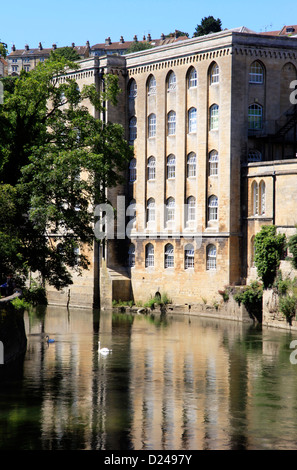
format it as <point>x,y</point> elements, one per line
<point>40,46</point>
<point>149,37</point>
<point>107,41</point>
<point>162,36</point>
<point>144,38</point>
<point>135,38</point>
<point>13,48</point>
<point>88,44</point>
<point>73,45</point>
<point>54,46</point>
<point>122,40</point>
<point>26,47</point>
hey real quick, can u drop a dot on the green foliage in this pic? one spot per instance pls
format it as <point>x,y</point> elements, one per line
<point>67,53</point>
<point>251,298</point>
<point>3,50</point>
<point>48,140</point>
<point>225,294</point>
<point>269,248</point>
<point>287,305</point>
<point>35,295</point>
<point>139,46</point>
<point>177,33</point>
<point>282,285</point>
<point>292,245</point>
<point>208,25</point>
<point>158,300</point>
<point>20,304</point>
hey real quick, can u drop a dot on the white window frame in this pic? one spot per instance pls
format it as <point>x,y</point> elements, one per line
<point>214,74</point>
<point>191,165</point>
<point>149,256</point>
<point>171,162</point>
<point>169,256</point>
<point>192,120</point>
<point>152,86</point>
<point>152,125</point>
<point>211,257</point>
<point>255,116</point>
<point>192,82</point>
<point>256,74</point>
<point>171,82</point>
<point>151,168</point>
<point>132,129</point>
<point>171,123</point>
<point>170,210</point>
<point>132,170</point>
<point>151,211</point>
<point>191,209</point>
<point>213,208</point>
<point>132,89</point>
<point>189,256</point>
<point>213,163</point>
<point>214,117</point>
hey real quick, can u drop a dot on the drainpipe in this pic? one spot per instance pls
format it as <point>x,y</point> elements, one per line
<point>273,197</point>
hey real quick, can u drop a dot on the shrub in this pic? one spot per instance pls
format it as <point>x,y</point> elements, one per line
<point>251,298</point>
<point>287,306</point>
<point>269,248</point>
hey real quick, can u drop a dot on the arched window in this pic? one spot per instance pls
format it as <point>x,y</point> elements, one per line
<point>255,116</point>
<point>192,120</point>
<point>131,255</point>
<point>171,166</point>
<point>189,256</point>
<point>214,74</point>
<point>169,256</point>
<point>255,196</point>
<point>212,208</point>
<point>151,168</point>
<point>152,85</point>
<point>191,165</point>
<point>256,74</point>
<point>170,210</point>
<point>211,257</point>
<point>214,117</point>
<point>131,212</point>
<point>191,209</point>
<point>151,213</point>
<point>132,129</point>
<point>171,82</point>
<point>254,156</point>
<point>262,198</point>
<point>171,122</point>
<point>152,125</point>
<point>213,163</point>
<point>132,89</point>
<point>149,256</point>
<point>192,78</point>
<point>132,170</point>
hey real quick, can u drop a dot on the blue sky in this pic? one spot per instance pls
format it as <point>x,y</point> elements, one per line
<point>66,21</point>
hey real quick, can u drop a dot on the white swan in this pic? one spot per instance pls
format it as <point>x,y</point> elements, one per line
<point>103,351</point>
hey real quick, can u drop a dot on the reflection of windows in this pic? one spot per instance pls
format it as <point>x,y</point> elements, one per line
<point>213,163</point>
<point>172,81</point>
<point>256,73</point>
<point>191,209</point>
<point>171,166</point>
<point>170,209</point>
<point>192,120</point>
<point>214,117</point>
<point>132,129</point>
<point>152,86</point>
<point>169,256</point>
<point>151,215</point>
<point>189,256</point>
<point>191,165</point>
<point>211,257</point>
<point>131,255</point>
<point>255,115</point>
<point>132,170</point>
<point>254,156</point>
<point>151,168</point>
<point>192,83</point>
<point>132,89</point>
<point>152,125</point>
<point>149,256</point>
<point>213,208</point>
<point>214,74</point>
<point>171,120</point>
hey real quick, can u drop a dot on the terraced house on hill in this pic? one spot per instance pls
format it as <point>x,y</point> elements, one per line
<point>214,135</point>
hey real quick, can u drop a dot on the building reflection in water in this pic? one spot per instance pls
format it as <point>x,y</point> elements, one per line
<point>170,384</point>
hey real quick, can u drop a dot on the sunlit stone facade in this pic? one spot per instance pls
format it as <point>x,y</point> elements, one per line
<point>208,120</point>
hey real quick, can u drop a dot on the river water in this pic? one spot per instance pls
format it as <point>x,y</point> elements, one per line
<point>171,382</point>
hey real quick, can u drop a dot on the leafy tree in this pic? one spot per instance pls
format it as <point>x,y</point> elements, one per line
<point>208,25</point>
<point>269,248</point>
<point>67,53</point>
<point>177,33</point>
<point>139,46</point>
<point>292,245</point>
<point>3,49</point>
<point>48,140</point>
